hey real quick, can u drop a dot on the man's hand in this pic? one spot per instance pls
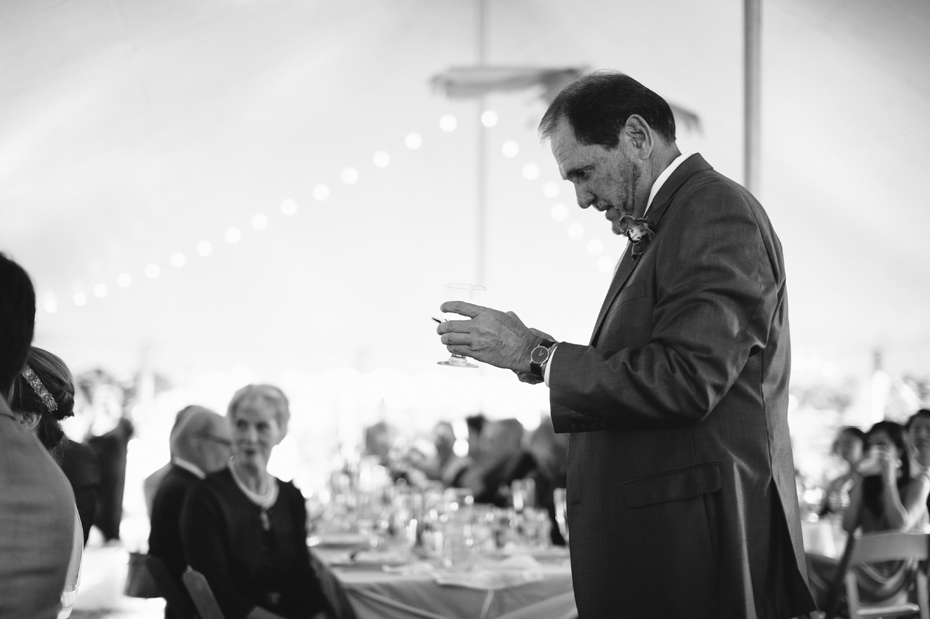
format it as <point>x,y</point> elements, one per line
<point>494,337</point>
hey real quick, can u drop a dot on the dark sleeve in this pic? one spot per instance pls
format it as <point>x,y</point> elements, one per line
<point>309,592</point>
<point>205,535</point>
<point>719,284</point>
<point>79,463</point>
<point>165,533</point>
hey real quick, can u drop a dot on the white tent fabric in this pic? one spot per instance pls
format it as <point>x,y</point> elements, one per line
<point>132,131</point>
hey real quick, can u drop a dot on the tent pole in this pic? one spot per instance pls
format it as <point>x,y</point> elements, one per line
<point>752,149</point>
<point>481,203</point>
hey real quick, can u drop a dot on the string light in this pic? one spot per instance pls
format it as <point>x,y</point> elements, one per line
<point>289,207</point>
<point>321,192</point>
<point>448,123</point>
<point>510,149</point>
<point>413,141</point>
<point>531,171</point>
<point>349,176</point>
<point>575,231</point>
<point>260,221</point>
<point>381,159</point>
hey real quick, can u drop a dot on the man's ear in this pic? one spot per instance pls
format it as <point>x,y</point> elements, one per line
<point>638,135</point>
<point>30,420</point>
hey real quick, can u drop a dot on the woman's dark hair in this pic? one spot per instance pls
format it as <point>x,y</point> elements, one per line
<point>924,412</point>
<point>598,105</point>
<point>852,431</point>
<point>872,485</point>
<point>53,404</point>
<point>17,320</point>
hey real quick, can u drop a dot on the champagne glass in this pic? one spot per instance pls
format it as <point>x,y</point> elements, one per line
<point>561,511</point>
<point>470,293</point>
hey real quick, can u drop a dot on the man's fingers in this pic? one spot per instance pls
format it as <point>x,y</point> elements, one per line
<point>461,307</point>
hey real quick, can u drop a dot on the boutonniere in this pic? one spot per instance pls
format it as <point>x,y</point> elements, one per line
<point>640,232</point>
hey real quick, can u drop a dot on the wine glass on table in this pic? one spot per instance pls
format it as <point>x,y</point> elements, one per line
<point>470,293</point>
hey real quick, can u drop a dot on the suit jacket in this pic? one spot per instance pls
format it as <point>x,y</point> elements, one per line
<point>165,533</point>
<point>681,491</point>
<point>37,520</point>
<point>79,463</point>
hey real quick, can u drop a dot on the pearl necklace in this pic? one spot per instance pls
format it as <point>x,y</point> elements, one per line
<point>262,500</point>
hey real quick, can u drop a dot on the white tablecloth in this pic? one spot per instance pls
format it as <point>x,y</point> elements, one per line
<point>371,593</point>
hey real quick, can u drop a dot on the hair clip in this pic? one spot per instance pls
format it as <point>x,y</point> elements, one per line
<point>40,389</point>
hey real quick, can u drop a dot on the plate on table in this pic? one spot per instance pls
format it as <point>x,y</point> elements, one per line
<point>337,540</point>
<point>372,559</point>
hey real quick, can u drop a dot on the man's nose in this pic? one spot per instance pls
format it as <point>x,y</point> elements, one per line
<point>585,198</point>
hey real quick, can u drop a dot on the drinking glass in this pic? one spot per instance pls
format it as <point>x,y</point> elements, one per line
<point>561,511</point>
<point>470,293</point>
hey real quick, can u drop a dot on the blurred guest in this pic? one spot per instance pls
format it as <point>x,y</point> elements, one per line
<point>150,484</point>
<point>883,497</point>
<point>918,433</point>
<point>849,446</point>
<point>46,374</point>
<point>110,434</point>
<point>246,530</point>
<point>201,444</point>
<point>500,441</point>
<point>544,459</point>
<point>37,512</point>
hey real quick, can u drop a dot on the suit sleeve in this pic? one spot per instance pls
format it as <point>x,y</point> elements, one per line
<point>717,285</point>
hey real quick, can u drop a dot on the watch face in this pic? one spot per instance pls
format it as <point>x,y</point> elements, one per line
<point>539,354</point>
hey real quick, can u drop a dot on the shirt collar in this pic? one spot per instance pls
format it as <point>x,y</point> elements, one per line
<point>188,466</point>
<point>656,186</point>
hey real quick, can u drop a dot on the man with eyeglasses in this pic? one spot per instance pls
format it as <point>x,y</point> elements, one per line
<point>201,444</point>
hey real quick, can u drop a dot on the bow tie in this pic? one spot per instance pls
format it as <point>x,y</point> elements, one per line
<point>639,231</point>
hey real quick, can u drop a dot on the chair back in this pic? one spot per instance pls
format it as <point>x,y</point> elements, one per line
<point>202,595</point>
<point>176,597</point>
<point>878,547</point>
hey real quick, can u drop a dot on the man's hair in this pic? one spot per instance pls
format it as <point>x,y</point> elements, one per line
<point>598,105</point>
<point>17,321</point>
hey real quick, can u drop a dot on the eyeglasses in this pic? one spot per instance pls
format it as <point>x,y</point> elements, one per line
<point>225,442</point>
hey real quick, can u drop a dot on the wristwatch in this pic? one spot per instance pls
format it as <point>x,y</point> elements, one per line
<point>539,356</point>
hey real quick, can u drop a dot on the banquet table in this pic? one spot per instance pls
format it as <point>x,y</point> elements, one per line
<point>823,538</point>
<point>367,590</point>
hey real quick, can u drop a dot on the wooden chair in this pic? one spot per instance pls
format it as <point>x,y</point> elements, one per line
<point>878,547</point>
<point>202,595</point>
<point>176,597</point>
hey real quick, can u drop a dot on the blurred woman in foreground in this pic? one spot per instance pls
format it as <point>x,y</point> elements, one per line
<point>245,530</point>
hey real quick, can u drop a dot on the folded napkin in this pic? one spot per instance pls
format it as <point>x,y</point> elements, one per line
<point>493,576</point>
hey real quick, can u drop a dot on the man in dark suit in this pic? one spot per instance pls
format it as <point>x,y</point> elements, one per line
<point>681,483</point>
<point>201,444</point>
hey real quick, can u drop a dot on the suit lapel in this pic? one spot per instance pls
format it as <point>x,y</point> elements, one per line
<point>693,164</point>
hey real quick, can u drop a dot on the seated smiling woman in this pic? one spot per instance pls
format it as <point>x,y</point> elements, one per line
<point>245,530</point>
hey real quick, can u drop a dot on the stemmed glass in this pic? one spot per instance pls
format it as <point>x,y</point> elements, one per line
<point>470,293</point>
<point>561,511</point>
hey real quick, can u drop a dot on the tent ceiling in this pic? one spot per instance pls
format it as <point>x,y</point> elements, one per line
<point>133,130</point>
